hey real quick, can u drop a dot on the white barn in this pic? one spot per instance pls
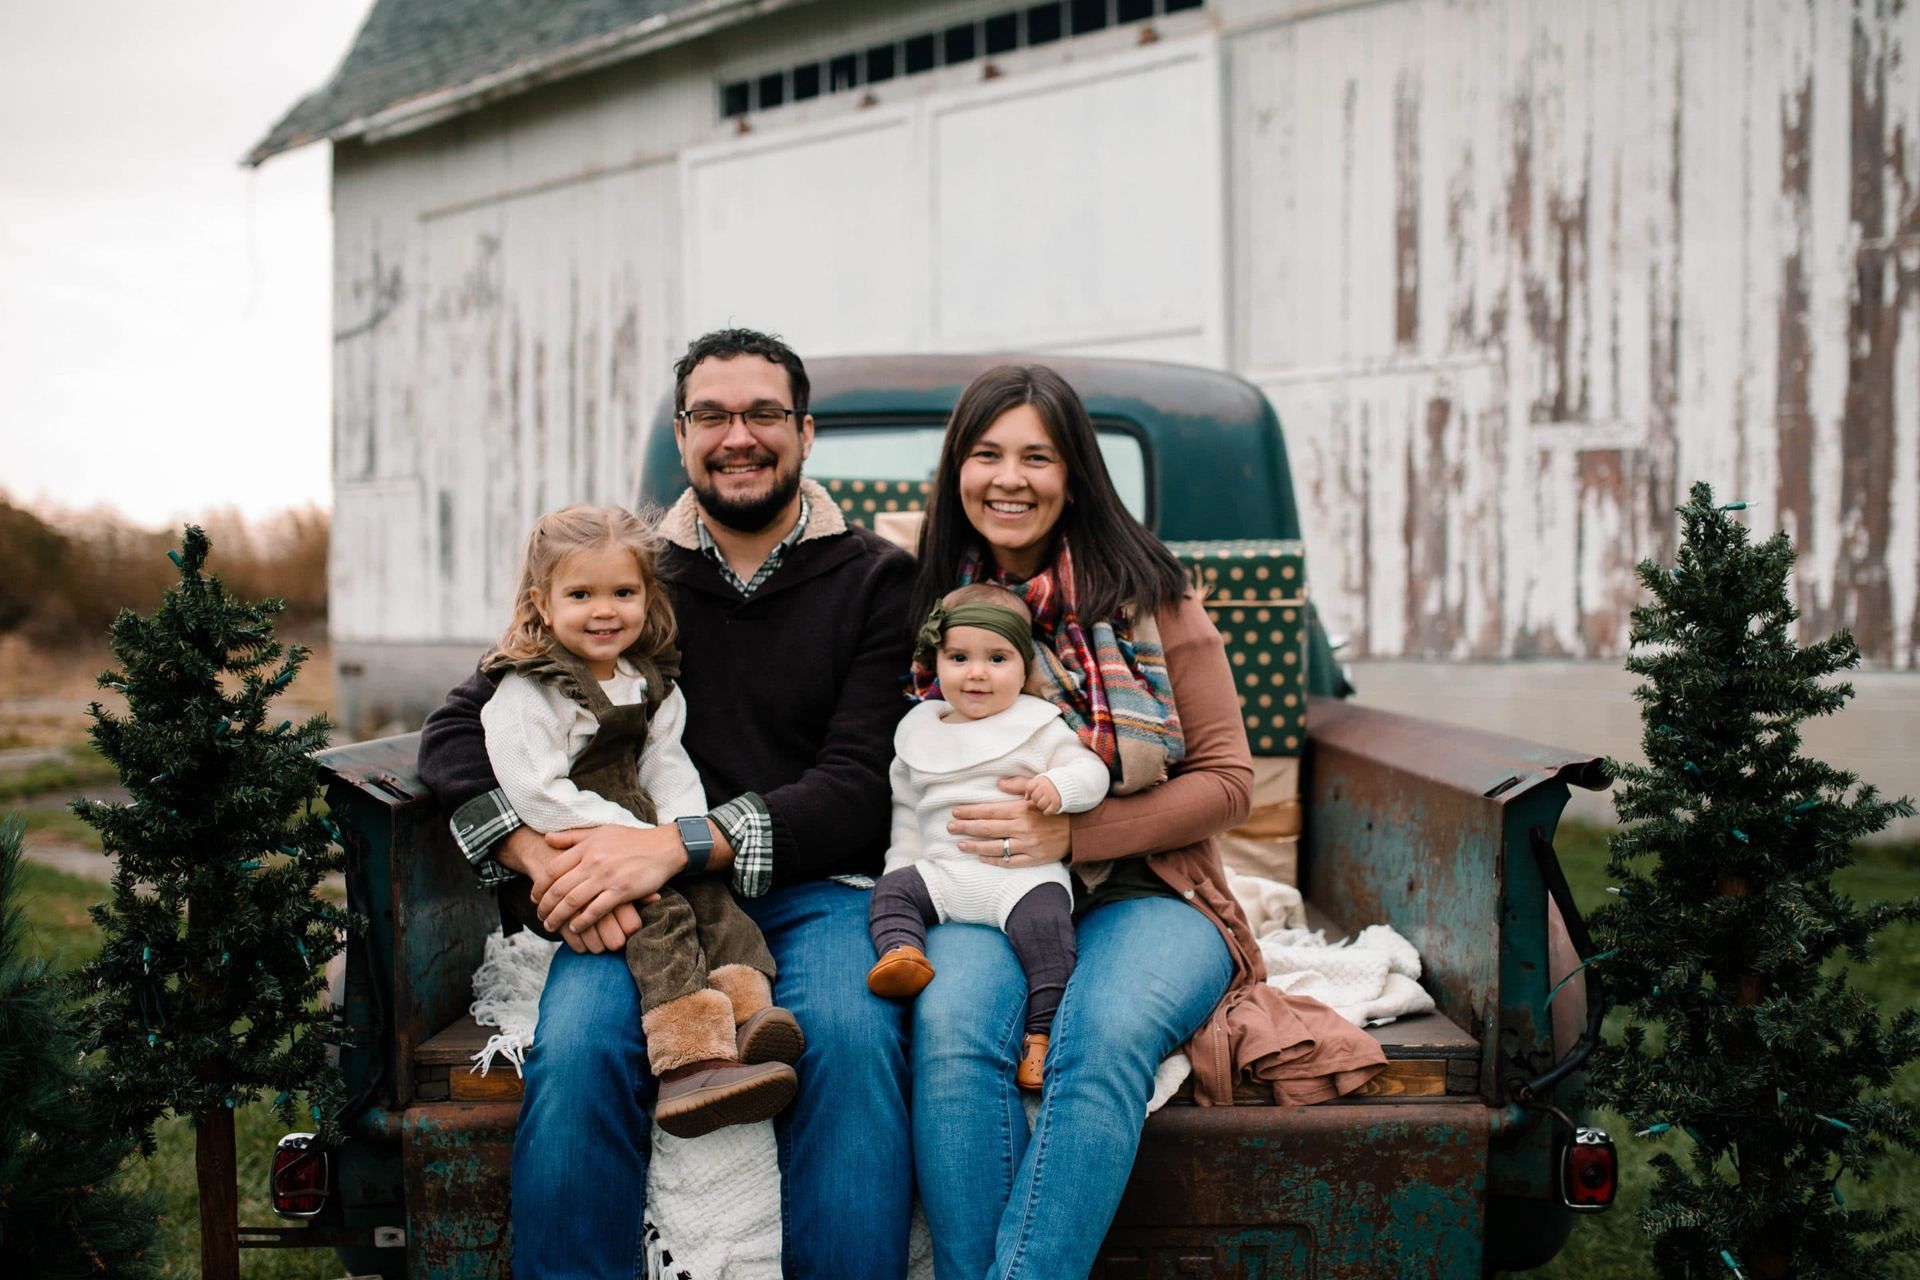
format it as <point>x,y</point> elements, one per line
<point>1513,272</point>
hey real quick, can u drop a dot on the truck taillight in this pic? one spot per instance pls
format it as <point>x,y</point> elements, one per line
<point>1589,1171</point>
<point>299,1179</point>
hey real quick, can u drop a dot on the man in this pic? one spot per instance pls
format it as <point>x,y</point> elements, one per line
<point>793,634</point>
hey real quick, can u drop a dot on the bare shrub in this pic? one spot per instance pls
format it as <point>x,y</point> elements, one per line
<point>70,573</point>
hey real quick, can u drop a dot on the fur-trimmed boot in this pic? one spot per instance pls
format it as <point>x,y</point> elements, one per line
<point>703,1084</point>
<point>766,1032</point>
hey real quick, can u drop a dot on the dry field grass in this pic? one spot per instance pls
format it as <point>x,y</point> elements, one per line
<point>46,759</point>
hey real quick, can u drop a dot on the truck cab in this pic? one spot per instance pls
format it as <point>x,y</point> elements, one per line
<point>1449,1163</point>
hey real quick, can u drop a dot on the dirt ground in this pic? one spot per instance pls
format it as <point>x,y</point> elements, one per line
<point>44,696</point>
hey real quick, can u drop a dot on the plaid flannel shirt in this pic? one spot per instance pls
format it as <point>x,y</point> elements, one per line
<point>482,823</point>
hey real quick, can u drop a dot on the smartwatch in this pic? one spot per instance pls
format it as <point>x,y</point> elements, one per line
<point>698,837</point>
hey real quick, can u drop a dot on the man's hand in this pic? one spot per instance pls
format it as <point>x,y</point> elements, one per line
<point>596,869</point>
<point>1011,826</point>
<point>527,851</point>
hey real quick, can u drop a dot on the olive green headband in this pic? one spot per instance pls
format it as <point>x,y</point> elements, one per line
<point>997,618</point>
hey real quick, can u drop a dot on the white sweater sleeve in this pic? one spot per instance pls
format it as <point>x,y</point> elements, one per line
<point>1080,776</point>
<point>527,745</point>
<point>666,770</point>
<point>904,848</point>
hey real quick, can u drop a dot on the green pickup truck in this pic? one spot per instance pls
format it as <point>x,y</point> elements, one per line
<point>1460,1159</point>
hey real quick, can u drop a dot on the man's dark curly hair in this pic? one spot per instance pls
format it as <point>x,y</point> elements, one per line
<point>725,344</point>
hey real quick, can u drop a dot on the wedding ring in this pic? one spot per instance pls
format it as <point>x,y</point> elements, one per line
<point>1006,848</point>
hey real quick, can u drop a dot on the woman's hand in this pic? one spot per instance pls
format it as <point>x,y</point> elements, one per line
<point>994,829</point>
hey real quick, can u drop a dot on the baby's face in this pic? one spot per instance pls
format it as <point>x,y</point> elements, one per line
<point>980,673</point>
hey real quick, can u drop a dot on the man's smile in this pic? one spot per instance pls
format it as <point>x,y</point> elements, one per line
<point>741,466</point>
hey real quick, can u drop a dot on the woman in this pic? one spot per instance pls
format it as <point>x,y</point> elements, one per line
<point>1023,498</point>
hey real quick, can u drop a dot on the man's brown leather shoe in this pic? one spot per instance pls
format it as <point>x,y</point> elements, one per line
<point>714,1093</point>
<point>900,974</point>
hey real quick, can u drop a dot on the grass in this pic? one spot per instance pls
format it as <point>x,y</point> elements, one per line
<point>1610,1246</point>
<point>83,767</point>
<point>54,906</point>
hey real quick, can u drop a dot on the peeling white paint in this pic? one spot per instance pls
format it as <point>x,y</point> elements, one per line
<point>1514,273</point>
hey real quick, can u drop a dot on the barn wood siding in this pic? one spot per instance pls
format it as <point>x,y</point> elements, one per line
<point>1516,273</point>
<point>509,298</point>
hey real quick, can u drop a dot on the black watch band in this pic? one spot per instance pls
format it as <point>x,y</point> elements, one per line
<point>698,837</point>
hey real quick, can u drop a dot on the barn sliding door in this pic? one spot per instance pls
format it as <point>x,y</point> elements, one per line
<point>1074,209</point>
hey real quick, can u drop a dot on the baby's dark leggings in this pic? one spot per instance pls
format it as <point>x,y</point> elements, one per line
<point>1040,927</point>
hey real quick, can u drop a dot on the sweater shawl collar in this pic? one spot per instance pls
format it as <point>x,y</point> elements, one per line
<point>824,518</point>
<point>933,745</point>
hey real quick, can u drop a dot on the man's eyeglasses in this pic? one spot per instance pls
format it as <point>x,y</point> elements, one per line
<point>762,417</point>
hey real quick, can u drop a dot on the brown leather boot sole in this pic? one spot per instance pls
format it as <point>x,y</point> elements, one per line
<point>901,974</point>
<point>703,1096</point>
<point>771,1035</point>
<point>1030,1074</point>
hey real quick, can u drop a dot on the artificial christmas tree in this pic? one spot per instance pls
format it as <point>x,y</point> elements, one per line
<point>1742,1041</point>
<point>205,989</point>
<point>62,1214</point>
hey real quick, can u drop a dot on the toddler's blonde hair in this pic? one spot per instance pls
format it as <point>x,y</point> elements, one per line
<point>582,527</point>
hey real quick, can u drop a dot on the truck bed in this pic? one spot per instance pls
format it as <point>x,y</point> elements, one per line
<point>1427,1057</point>
<point>1425,827</point>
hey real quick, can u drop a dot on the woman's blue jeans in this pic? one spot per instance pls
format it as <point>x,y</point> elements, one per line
<point>999,1203</point>
<point>580,1157</point>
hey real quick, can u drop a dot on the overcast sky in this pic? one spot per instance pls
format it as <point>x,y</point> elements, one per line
<point>164,313</point>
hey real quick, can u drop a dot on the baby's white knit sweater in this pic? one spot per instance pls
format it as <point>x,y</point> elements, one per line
<point>939,763</point>
<point>535,733</point>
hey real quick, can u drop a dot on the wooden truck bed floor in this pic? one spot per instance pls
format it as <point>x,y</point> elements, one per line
<point>1428,1057</point>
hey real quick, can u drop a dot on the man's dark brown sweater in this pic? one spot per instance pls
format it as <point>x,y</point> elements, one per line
<point>792,692</point>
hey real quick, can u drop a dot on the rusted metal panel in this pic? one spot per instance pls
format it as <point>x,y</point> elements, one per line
<point>1323,1192</point>
<point>458,1160</point>
<point>1412,822</point>
<point>428,917</point>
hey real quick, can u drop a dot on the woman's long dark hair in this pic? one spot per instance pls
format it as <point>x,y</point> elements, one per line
<point>1117,564</point>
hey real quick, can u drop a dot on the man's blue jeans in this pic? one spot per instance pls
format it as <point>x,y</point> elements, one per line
<point>999,1203</point>
<point>580,1158</point>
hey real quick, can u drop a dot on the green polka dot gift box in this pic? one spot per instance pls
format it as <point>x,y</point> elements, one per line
<point>863,500</point>
<point>1255,590</point>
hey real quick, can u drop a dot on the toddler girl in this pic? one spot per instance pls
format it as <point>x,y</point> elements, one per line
<point>946,753</point>
<point>584,730</point>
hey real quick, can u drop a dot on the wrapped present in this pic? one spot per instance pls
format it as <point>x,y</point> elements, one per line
<point>864,500</point>
<point>1267,844</point>
<point>1256,593</point>
<point>901,528</point>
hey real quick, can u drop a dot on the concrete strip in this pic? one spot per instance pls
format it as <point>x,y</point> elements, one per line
<point>1589,706</point>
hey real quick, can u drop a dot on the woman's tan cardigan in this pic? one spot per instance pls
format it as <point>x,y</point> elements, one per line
<point>1299,1047</point>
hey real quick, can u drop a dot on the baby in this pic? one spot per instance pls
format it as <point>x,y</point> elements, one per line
<point>954,752</point>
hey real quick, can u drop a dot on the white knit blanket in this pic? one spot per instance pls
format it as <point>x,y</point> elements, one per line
<point>713,1203</point>
<point>1369,979</point>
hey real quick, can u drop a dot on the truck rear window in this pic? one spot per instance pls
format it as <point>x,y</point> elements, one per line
<point>910,451</point>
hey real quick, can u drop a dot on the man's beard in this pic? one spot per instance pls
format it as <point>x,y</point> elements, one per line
<point>750,515</point>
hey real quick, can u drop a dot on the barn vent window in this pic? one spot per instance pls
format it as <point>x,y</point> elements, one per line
<point>1022,28</point>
